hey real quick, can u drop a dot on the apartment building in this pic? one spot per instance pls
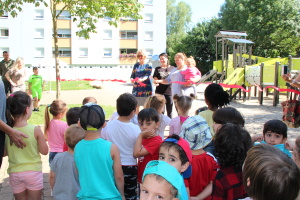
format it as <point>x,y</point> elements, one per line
<point>29,35</point>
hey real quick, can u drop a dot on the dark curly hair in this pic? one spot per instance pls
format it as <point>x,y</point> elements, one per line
<point>232,143</point>
<point>228,115</point>
<point>216,96</point>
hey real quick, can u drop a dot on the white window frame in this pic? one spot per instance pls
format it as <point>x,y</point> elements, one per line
<point>39,52</point>
<point>83,52</point>
<point>39,33</point>
<point>39,14</point>
<point>2,32</point>
<point>107,52</point>
<point>5,15</point>
<point>149,52</point>
<point>148,18</point>
<point>148,2</point>
<point>107,34</point>
<point>148,35</point>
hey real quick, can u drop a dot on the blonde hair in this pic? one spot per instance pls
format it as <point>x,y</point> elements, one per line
<point>156,102</point>
<point>16,63</point>
<point>180,55</point>
<point>141,51</point>
<point>55,108</point>
<point>73,135</point>
<point>191,60</point>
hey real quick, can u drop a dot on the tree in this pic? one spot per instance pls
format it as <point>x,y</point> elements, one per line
<point>200,43</point>
<point>273,25</point>
<point>178,20</point>
<point>85,12</point>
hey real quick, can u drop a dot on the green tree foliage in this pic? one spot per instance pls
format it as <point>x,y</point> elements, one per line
<point>272,24</point>
<point>85,13</point>
<point>200,43</point>
<point>178,20</point>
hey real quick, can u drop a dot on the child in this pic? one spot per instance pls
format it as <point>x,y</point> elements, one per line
<point>36,87</point>
<point>158,102</point>
<point>183,104</point>
<point>227,115</point>
<point>97,160</point>
<point>196,132</point>
<point>63,175</point>
<point>55,129</point>
<point>232,143</point>
<point>147,144</point>
<point>89,99</point>
<point>25,165</point>
<point>124,134</point>
<point>72,115</point>
<point>269,174</point>
<point>176,151</point>
<point>190,73</point>
<point>274,133</point>
<point>215,97</point>
<point>162,181</point>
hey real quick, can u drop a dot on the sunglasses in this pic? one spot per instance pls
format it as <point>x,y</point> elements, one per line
<point>140,56</point>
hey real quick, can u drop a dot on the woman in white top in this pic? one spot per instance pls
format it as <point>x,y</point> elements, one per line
<point>16,76</point>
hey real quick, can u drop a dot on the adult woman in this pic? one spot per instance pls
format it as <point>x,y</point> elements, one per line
<point>140,77</point>
<point>16,76</point>
<point>162,72</point>
<point>175,75</point>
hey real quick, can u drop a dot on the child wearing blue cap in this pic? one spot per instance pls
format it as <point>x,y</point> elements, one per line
<point>162,181</point>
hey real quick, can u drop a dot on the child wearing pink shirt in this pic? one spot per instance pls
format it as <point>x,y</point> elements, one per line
<point>190,73</point>
<point>55,129</point>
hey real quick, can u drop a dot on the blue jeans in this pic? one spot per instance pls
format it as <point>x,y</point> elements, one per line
<point>51,156</point>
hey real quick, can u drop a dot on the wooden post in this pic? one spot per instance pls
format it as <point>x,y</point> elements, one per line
<point>276,93</point>
<point>261,93</point>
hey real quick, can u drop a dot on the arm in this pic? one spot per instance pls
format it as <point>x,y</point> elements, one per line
<point>118,172</point>
<point>15,136</point>
<point>257,138</point>
<point>147,73</point>
<point>42,145</point>
<point>196,79</point>
<point>29,87</point>
<point>139,150</point>
<point>9,79</point>
<point>52,179</point>
<point>205,193</point>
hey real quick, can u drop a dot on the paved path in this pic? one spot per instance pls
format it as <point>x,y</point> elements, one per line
<point>255,116</point>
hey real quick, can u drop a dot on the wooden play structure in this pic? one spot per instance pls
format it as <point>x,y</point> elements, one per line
<point>238,66</point>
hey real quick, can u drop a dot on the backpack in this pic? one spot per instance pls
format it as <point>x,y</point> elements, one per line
<point>291,112</point>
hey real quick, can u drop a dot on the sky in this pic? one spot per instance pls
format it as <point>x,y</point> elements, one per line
<point>203,9</point>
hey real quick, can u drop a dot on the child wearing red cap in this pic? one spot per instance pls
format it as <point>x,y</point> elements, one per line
<point>176,151</point>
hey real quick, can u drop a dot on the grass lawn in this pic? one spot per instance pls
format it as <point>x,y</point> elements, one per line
<point>68,85</point>
<point>37,118</point>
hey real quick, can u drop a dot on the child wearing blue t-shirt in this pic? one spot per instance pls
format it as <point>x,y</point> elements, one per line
<point>97,160</point>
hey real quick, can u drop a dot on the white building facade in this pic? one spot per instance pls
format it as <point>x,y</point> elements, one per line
<point>29,35</point>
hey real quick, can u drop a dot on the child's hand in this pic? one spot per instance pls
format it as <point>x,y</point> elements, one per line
<point>148,133</point>
<point>289,146</point>
<point>257,138</point>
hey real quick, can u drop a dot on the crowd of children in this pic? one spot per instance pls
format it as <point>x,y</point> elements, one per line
<point>207,156</point>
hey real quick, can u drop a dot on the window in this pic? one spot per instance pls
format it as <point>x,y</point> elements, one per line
<point>128,51</point>
<point>64,33</point>
<point>64,14</point>
<point>107,19</point>
<point>149,52</point>
<point>149,2</point>
<point>63,52</point>
<point>83,52</point>
<point>4,32</point>
<point>3,49</point>
<point>129,35</point>
<point>148,35</point>
<point>39,14</point>
<point>5,14</point>
<point>107,34</point>
<point>39,33</point>
<point>107,52</point>
<point>148,18</point>
<point>39,53</point>
<point>127,19</point>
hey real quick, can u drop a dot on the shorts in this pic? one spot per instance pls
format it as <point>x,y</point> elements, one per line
<point>36,93</point>
<point>28,180</point>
